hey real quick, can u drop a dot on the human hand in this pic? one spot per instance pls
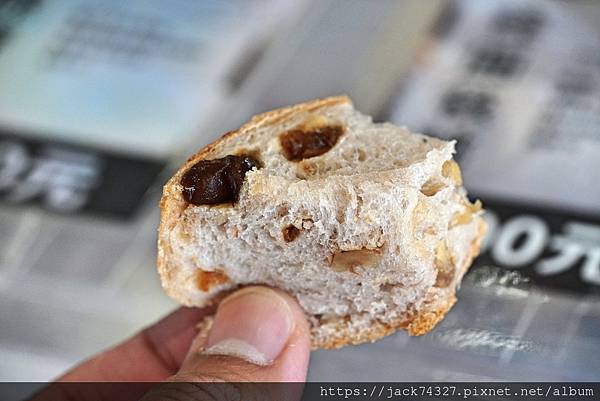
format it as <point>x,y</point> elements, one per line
<point>259,334</point>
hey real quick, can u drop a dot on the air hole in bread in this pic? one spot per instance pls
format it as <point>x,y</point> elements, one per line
<point>347,261</point>
<point>327,318</point>
<point>254,153</point>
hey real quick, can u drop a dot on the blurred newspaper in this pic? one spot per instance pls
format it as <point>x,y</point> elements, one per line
<point>517,83</point>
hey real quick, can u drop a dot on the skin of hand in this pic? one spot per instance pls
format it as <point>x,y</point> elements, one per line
<point>258,335</point>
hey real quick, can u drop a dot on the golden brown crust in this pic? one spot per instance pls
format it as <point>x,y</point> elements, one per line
<point>418,325</point>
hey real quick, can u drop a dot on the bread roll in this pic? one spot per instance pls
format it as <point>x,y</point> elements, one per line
<point>366,224</point>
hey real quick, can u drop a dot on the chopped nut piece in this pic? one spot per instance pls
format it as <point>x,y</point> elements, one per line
<point>348,260</point>
<point>419,221</point>
<point>432,187</point>
<point>461,218</point>
<point>444,265</point>
<point>466,216</point>
<point>476,207</point>
<point>450,169</point>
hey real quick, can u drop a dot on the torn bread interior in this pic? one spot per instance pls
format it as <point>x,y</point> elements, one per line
<point>366,224</point>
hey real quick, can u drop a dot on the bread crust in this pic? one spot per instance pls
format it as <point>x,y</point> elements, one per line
<point>176,281</point>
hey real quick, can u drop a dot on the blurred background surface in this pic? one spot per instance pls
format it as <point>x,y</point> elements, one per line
<point>101,100</point>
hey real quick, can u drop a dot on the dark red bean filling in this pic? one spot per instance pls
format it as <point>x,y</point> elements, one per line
<point>216,181</point>
<point>298,144</point>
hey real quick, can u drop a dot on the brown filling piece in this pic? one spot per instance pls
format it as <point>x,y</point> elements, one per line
<point>298,144</point>
<point>216,181</point>
<point>444,265</point>
<point>290,233</point>
<point>206,280</point>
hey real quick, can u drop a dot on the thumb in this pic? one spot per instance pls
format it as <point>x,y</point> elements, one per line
<point>258,335</point>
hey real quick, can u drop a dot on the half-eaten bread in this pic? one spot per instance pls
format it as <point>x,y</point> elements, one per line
<point>366,224</point>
